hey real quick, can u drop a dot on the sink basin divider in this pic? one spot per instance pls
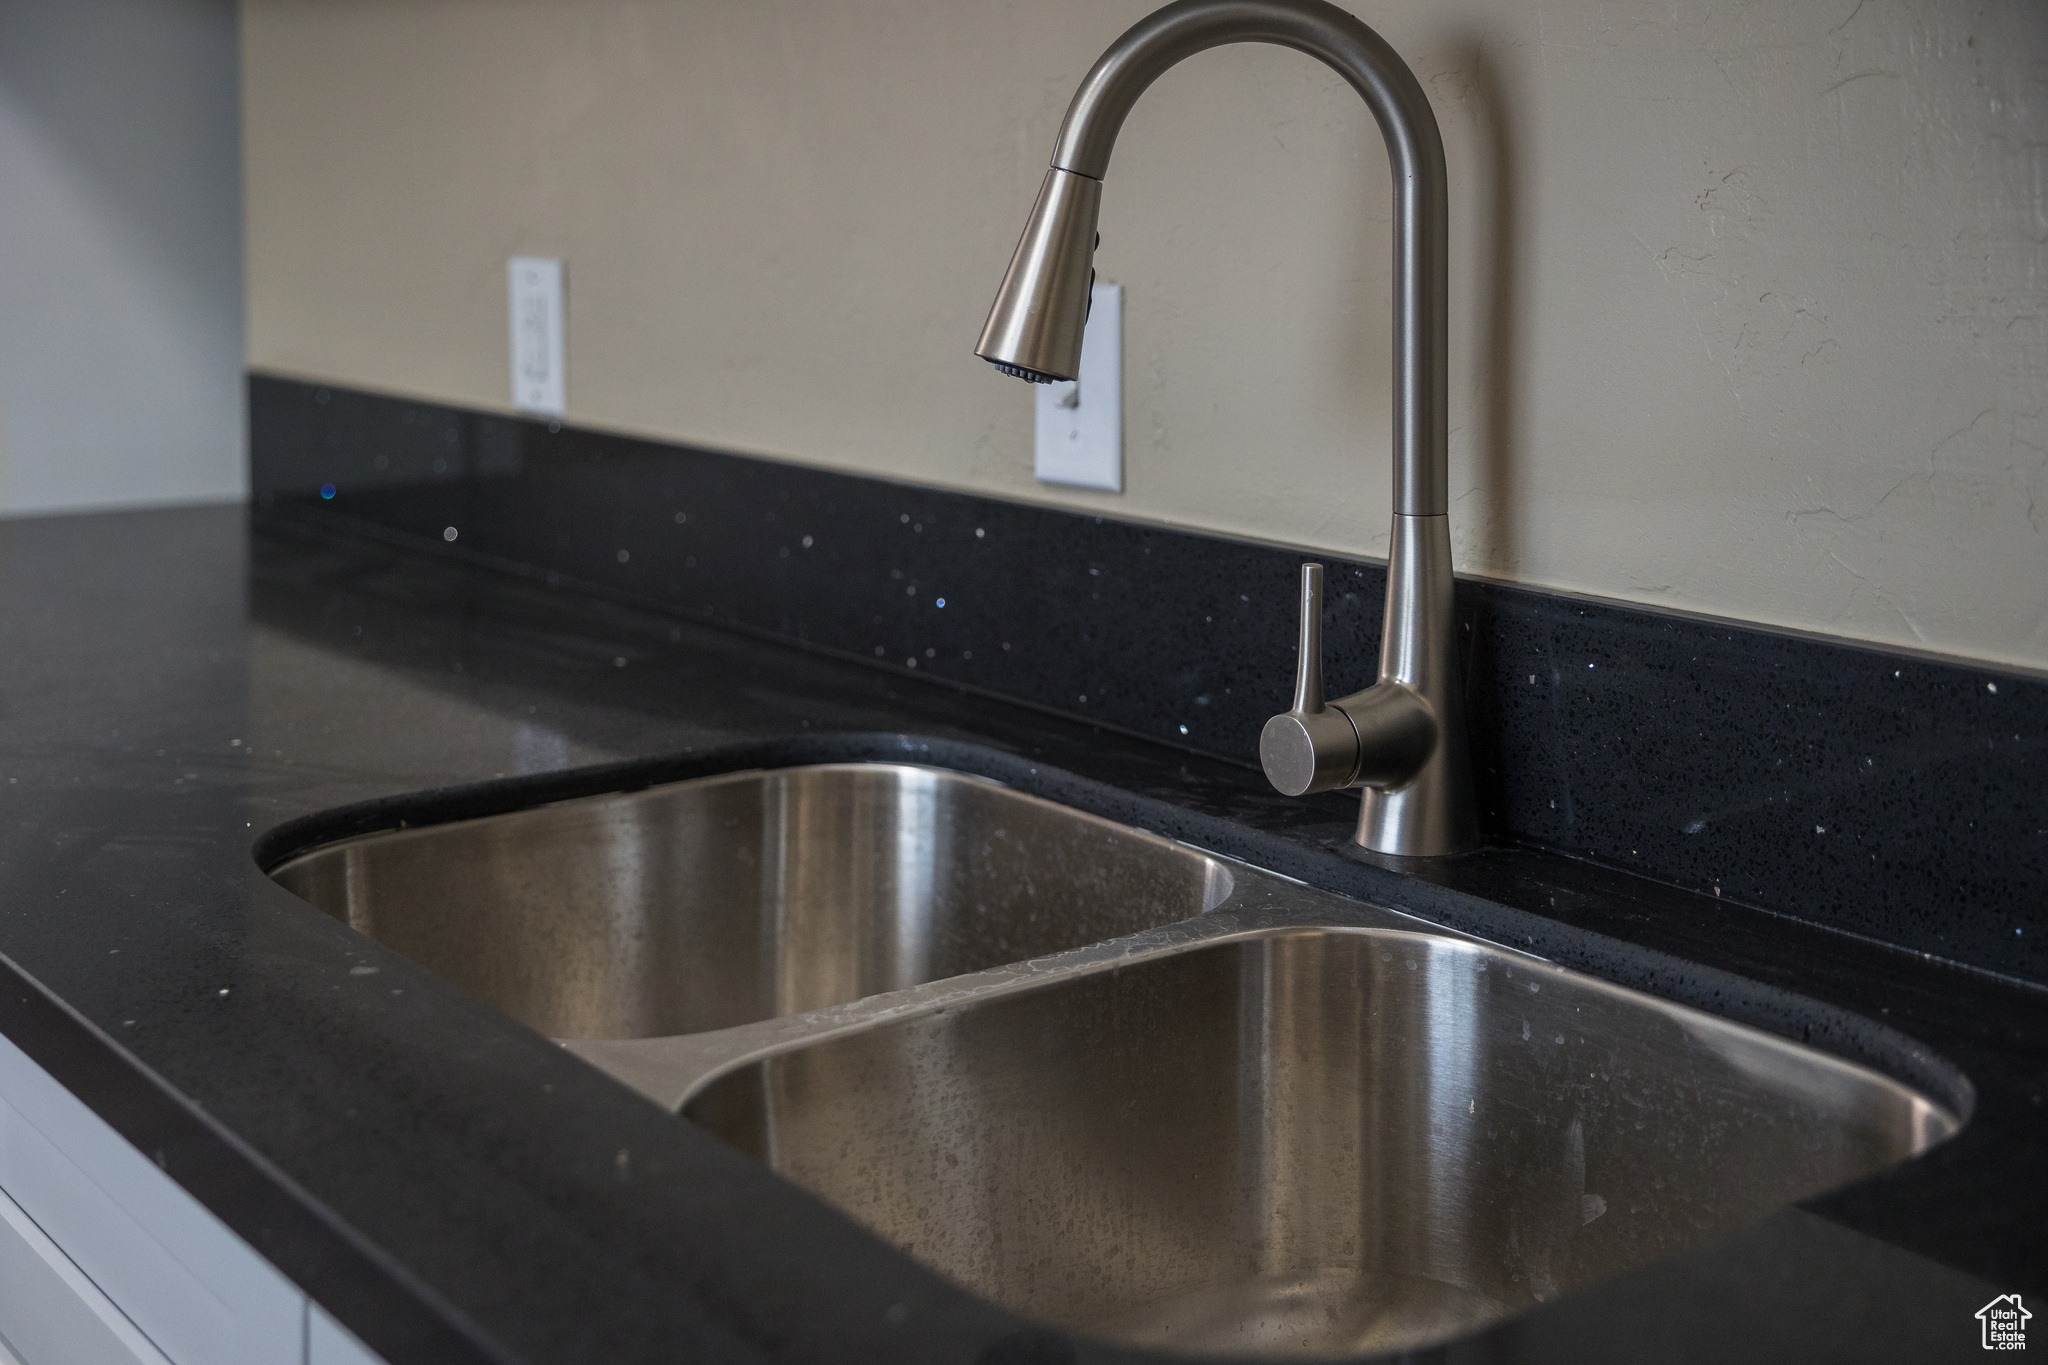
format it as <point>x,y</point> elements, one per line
<point>670,1070</point>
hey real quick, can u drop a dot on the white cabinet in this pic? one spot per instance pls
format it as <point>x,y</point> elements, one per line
<point>49,1310</point>
<point>103,1257</point>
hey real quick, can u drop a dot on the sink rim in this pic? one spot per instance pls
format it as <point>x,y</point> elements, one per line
<point>274,862</point>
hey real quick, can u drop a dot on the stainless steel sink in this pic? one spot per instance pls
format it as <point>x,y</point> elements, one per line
<point>1110,1081</point>
<point>706,904</point>
<point>1309,1141</point>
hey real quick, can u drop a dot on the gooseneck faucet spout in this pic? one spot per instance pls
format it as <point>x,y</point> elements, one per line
<point>1403,739</point>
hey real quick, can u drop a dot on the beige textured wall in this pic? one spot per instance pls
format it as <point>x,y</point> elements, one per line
<point>1750,299</point>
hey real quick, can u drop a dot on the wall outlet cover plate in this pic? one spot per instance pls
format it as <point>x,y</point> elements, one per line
<point>1081,424</point>
<point>539,324</point>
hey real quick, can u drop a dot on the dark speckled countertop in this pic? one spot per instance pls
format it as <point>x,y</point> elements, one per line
<point>178,685</point>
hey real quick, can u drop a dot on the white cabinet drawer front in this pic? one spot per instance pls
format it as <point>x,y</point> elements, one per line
<point>170,1303</point>
<point>199,1292</point>
<point>50,1313</point>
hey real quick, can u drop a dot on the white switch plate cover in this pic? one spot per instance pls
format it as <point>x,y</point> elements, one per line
<point>1081,424</point>
<point>539,350</point>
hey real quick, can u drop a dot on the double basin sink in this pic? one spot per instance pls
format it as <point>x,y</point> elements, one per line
<point>1110,1081</point>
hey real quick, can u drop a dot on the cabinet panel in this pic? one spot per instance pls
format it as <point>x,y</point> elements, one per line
<point>195,1289</point>
<point>50,1313</point>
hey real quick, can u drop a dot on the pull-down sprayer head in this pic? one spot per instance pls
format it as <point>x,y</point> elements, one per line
<point>1034,330</point>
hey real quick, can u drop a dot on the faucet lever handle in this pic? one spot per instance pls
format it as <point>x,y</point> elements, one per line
<point>1311,747</point>
<point>1308,663</point>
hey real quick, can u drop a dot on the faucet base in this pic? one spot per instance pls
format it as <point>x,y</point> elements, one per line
<point>1435,812</point>
<point>1413,823</point>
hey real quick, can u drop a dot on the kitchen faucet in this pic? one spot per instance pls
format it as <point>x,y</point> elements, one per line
<point>1402,739</point>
